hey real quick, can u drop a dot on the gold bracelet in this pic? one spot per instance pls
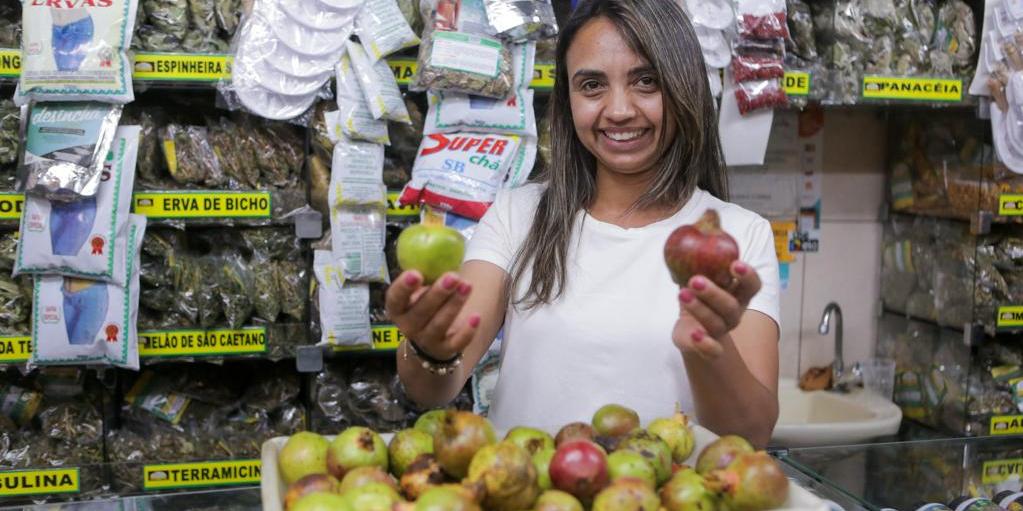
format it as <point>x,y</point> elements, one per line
<point>434,366</point>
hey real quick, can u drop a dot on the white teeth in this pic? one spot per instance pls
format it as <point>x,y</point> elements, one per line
<point>623,136</point>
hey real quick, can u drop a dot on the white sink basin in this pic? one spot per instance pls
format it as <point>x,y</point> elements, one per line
<point>808,419</point>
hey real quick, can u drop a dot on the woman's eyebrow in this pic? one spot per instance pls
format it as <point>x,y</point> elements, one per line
<point>641,70</point>
<point>588,73</point>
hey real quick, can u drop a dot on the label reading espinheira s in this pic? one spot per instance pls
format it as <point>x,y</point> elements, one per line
<point>997,471</point>
<point>180,67</point>
<point>913,89</point>
<point>38,482</point>
<point>15,349</point>
<point>1006,425</point>
<point>202,474</point>
<point>178,204</point>
<point>1010,317</point>
<point>199,343</point>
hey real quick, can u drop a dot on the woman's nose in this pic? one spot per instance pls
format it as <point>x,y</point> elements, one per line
<point>620,107</point>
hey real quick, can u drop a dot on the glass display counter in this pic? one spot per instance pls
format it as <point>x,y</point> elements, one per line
<point>230,499</point>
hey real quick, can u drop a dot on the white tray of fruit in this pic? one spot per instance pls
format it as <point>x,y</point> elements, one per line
<point>455,461</point>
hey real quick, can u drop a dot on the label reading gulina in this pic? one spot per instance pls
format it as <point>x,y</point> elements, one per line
<point>201,474</point>
<point>15,349</point>
<point>38,482</point>
<point>179,204</point>
<point>1006,425</point>
<point>191,343</point>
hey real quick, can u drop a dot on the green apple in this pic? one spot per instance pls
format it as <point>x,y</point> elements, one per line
<point>322,501</point>
<point>304,453</point>
<point>430,249</point>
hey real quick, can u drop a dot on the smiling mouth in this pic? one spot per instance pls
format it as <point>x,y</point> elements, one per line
<point>624,136</point>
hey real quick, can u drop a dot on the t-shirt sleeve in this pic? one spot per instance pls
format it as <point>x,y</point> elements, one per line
<point>492,240</point>
<point>761,255</point>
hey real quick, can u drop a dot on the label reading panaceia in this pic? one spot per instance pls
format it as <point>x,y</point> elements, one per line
<point>201,474</point>
<point>913,89</point>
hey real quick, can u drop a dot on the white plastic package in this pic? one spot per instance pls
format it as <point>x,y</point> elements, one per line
<point>461,172</point>
<point>75,51</point>
<point>357,240</point>
<point>522,165</point>
<point>353,112</point>
<point>344,305</point>
<point>378,86</point>
<point>383,30</point>
<point>79,321</point>
<point>318,16</point>
<point>302,38</point>
<point>357,174</point>
<point>83,238</point>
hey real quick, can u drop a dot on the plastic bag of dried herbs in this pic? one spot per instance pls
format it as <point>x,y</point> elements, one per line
<point>275,243</point>
<point>236,283</point>
<point>169,17</point>
<point>293,285</point>
<point>189,156</point>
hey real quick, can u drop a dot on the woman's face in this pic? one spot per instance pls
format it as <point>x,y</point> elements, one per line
<point>615,99</point>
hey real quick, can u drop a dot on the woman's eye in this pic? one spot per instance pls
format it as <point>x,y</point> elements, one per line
<point>590,85</point>
<point>647,81</point>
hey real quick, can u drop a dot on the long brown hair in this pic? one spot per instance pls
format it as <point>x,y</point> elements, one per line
<point>660,32</point>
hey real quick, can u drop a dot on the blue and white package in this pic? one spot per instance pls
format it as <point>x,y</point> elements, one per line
<point>79,321</point>
<point>83,238</point>
<point>66,144</point>
<point>75,50</point>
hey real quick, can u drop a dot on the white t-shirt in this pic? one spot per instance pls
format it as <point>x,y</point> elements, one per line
<point>607,339</point>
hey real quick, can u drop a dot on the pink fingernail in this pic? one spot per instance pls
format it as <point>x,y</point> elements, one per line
<point>699,283</point>
<point>741,269</point>
<point>412,279</point>
<point>464,288</point>
<point>697,335</point>
<point>449,282</point>
<point>686,295</point>
<point>474,321</point>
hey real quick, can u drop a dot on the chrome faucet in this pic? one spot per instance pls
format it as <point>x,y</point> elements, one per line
<point>838,366</point>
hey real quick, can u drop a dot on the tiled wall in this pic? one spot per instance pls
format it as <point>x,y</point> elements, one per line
<point>847,268</point>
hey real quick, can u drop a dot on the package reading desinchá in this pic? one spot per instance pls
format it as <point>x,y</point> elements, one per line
<point>78,321</point>
<point>357,238</point>
<point>353,114</point>
<point>344,305</point>
<point>66,145</point>
<point>154,396</point>
<point>83,238</point>
<point>357,174</point>
<point>383,30</point>
<point>460,172</point>
<point>521,20</point>
<point>75,51</point>
<point>378,86</point>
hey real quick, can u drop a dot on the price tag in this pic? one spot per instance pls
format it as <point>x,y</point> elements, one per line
<point>797,83</point>
<point>997,471</point>
<point>177,67</point>
<point>913,89</point>
<point>188,204</point>
<point>202,343</point>
<point>1006,425</point>
<point>11,204</point>
<point>1010,317</point>
<point>15,349</point>
<point>1010,204</point>
<point>38,482</point>
<point>167,476</point>
<point>10,63</point>
<point>397,210</point>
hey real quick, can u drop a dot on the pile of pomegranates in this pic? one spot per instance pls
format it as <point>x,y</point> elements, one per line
<point>453,461</point>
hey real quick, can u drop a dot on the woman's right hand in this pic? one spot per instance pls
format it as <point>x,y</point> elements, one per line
<point>427,314</point>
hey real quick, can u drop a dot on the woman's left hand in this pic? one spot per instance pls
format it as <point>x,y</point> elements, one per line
<point>708,313</point>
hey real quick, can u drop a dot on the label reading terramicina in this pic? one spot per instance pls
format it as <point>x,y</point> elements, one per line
<point>201,474</point>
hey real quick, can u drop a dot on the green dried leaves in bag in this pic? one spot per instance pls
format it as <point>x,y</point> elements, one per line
<point>168,16</point>
<point>150,38</point>
<point>208,298</point>
<point>236,285</point>
<point>228,13</point>
<point>189,157</point>
<point>293,287</point>
<point>266,295</point>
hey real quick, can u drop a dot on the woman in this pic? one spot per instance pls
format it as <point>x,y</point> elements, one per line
<point>572,266</point>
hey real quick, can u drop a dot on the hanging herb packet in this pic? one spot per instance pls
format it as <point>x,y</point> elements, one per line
<point>344,305</point>
<point>354,115</point>
<point>357,237</point>
<point>378,86</point>
<point>382,29</point>
<point>357,174</point>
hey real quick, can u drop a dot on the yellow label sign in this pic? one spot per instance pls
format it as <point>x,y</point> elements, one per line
<point>404,69</point>
<point>782,234</point>
<point>186,204</point>
<point>385,337</point>
<point>11,205</point>
<point>1010,204</point>
<point>997,471</point>
<point>15,349</point>
<point>1010,317</point>
<point>397,210</point>
<point>201,474</point>
<point>913,89</point>
<point>190,343</point>
<point>543,76</point>
<point>797,83</point>
<point>10,63</point>
<point>1006,425</point>
<point>181,67</point>
<point>38,482</point>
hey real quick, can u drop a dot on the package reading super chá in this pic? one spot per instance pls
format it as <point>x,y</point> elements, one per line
<point>461,172</point>
<point>77,321</point>
<point>344,305</point>
<point>83,238</point>
<point>74,50</point>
